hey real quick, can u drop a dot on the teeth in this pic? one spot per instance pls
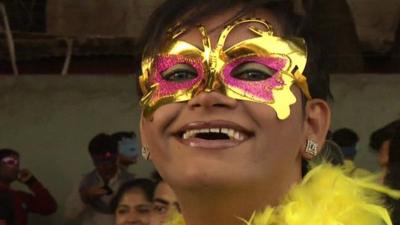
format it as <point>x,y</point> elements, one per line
<point>214,130</point>
<point>238,136</point>
<point>233,134</point>
<point>205,130</point>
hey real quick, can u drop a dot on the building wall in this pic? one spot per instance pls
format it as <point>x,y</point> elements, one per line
<point>50,120</point>
<point>98,17</point>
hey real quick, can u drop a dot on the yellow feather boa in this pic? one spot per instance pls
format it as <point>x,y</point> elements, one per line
<point>327,195</point>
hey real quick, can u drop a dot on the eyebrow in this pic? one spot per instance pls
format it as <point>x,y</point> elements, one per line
<point>162,201</point>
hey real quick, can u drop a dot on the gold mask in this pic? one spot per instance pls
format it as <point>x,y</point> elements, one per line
<point>260,69</point>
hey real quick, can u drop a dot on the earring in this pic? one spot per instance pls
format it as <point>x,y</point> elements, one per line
<point>145,153</point>
<point>311,147</point>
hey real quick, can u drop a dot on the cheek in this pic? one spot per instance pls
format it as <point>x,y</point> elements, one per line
<point>120,219</point>
<point>278,140</point>
<point>156,132</point>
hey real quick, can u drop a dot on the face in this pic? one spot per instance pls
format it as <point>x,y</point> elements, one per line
<point>133,208</point>
<point>383,157</point>
<point>260,69</point>
<point>163,203</point>
<point>9,168</point>
<point>214,139</point>
<point>106,167</point>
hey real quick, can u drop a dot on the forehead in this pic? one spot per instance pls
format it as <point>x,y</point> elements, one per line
<point>216,23</point>
<point>133,197</point>
<point>9,156</point>
<point>164,191</point>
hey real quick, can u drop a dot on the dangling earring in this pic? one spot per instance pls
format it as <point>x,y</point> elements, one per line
<point>145,153</point>
<point>311,147</point>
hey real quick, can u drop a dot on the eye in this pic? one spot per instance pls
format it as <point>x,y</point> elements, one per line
<point>122,210</point>
<point>252,71</point>
<point>143,209</point>
<point>160,209</point>
<point>179,73</point>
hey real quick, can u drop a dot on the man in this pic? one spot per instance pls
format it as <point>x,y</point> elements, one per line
<point>90,202</point>
<point>347,140</point>
<point>22,203</point>
<point>164,202</point>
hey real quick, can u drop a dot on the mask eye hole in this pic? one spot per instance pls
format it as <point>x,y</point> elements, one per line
<point>252,71</point>
<point>179,73</point>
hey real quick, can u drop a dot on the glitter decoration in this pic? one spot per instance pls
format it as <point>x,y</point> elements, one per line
<point>169,88</point>
<point>256,89</point>
<point>10,161</point>
<point>287,56</point>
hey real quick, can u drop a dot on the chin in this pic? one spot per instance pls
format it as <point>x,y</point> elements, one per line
<point>196,175</point>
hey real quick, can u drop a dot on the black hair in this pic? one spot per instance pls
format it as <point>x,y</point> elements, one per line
<point>155,175</point>
<point>345,137</point>
<point>382,134</point>
<point>102,143</point>
<point>393,175</point>
<point>145,185</point>
<point>4,152</point>
<point>189,13</point>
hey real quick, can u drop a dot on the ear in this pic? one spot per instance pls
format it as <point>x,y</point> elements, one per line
<point>316,124</point>
<point>143,139</point>
<point>141,131</point>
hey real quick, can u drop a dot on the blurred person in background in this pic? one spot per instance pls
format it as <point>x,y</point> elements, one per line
<point>164,201</point>
<point>392,177</point>
<point>89,203</point>
<point>127,148</point>
<point>39,201</point>
<point>347,140</point>
<point>380,141</point>
<point>133,202</point>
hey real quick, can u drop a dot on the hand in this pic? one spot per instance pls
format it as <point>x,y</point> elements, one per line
<point>24,175</point>
<point>91,193</point>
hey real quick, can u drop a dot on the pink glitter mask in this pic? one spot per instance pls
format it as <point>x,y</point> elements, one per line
<point>171,88</point>
<point>215,69</point>
<point>260,91</point>
<point>10,161</point>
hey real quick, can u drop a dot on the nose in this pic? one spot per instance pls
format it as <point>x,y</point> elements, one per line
<point>132,218</point>
<point>213,99</point>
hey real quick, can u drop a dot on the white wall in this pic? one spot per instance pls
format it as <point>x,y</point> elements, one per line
<point>50,120</point>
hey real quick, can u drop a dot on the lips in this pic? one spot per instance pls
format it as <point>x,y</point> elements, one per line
<point>213,134</point>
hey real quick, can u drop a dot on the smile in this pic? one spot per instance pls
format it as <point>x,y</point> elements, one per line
<point>213,134</point>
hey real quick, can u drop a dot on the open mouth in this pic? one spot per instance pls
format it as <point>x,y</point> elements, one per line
<point>219,133</point>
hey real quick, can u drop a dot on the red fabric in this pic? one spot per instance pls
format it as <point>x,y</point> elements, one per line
<point>40,202</point>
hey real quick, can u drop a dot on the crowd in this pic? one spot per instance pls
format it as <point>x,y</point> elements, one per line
<point>108,194</point>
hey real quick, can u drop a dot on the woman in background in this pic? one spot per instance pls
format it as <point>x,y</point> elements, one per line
<point>133,202</point>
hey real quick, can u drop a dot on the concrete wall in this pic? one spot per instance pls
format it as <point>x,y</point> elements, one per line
<point>364,103</point>
<point>50,119</point>
<point>98,17</point>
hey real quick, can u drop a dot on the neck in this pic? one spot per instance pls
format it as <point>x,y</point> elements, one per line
<point>219,207</point>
